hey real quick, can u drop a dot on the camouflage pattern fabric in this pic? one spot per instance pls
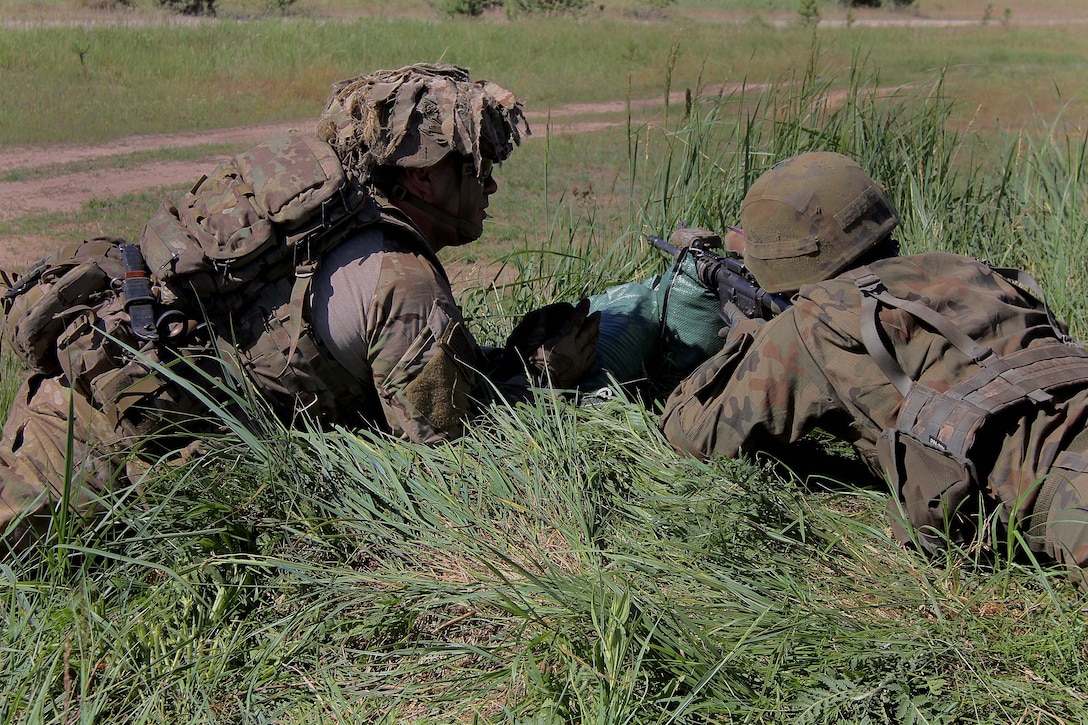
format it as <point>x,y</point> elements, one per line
<point>415,115</point>
<point>33,453</point>
<point>808,369</point>
<point>382,306</point>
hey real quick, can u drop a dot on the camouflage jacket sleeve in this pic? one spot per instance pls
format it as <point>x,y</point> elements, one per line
<point>387,314</point>
<point>761,389</point>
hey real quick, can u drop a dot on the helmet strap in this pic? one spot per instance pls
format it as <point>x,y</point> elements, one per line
<point>457,221</point>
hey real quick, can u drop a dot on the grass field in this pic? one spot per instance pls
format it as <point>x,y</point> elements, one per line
<point>561,564</point>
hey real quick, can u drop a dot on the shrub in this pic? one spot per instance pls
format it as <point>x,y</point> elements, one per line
<point>190,7</point>
<point>279,5</point>
<point>809,11</point>
<point>876,3</point>
<point>107,4</point>
<point>461,7</point>
<point>549,7</point>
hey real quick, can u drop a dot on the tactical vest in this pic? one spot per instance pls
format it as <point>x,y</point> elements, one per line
<point>930,455</point>
<point>227,275</point>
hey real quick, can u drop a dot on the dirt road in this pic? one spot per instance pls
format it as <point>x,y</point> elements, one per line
<point>64,192</point>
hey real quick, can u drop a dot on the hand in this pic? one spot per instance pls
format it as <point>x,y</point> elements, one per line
<point>736,322</point>
<point>558,343</point>
<point>734,241</point>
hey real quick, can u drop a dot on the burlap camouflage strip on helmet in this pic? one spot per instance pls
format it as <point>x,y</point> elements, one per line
<point>415,115</point>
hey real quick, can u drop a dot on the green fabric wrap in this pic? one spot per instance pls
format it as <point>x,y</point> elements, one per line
<point>655,332</point>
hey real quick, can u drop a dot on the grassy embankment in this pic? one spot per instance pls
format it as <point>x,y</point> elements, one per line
<point>562,564</point>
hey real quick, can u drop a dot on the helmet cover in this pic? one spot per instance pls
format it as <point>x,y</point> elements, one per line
<point>809,217</point>
<point>416,115</point>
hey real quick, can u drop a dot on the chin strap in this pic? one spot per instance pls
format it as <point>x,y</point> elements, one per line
<point>465,232</point>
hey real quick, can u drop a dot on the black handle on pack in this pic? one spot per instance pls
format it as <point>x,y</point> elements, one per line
<point>136,288</point>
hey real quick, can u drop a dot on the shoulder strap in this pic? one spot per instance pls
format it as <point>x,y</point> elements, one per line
<point>951,419</point>
<point>872,292</point>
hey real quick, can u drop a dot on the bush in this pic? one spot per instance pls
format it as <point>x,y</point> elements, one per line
<point>190,7</point>
<point>549,7</point>
<point>876,3</point>
<point>474,8</point>
<point>471,8</point>
<point>279,5</point>
<point>809,12</point>
<point>107,4</point>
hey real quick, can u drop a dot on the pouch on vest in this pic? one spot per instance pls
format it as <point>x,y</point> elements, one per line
<point>42,302</point>
<point>935,491</point>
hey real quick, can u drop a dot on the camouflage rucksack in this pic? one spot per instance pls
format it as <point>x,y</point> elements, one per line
<point>266,214</point>
<point>229,269</point>
<point>68,317</point>
<point>930,455</point>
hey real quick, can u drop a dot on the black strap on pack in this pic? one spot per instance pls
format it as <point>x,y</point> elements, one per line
<point>136,288</point>
<point>26,281</point>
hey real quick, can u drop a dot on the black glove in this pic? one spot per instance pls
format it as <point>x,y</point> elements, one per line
<point>557,343</point>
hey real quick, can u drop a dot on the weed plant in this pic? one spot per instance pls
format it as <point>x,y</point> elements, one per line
<point>561,563</point>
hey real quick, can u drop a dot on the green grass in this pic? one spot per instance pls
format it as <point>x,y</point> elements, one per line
<point>562,564</point>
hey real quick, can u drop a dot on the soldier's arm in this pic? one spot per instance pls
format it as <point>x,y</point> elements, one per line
<point>388,316</point>
<point>760,390</point>
<point>421,353</point>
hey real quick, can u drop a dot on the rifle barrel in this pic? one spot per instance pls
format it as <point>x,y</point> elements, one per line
<point>659,243</point>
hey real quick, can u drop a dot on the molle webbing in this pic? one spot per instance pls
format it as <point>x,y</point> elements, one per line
<point>950,420</point>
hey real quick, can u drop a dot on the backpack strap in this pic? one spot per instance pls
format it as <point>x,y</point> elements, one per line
<point>950,420</point>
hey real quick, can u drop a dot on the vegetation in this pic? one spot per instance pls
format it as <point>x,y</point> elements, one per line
<point>561,563</point>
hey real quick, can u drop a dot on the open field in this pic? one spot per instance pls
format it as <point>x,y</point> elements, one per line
<point>561,563</point>
<point>127,84</point>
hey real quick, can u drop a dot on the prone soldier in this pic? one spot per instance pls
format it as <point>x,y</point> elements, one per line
<point>950,377</point>
<point>315,258</point>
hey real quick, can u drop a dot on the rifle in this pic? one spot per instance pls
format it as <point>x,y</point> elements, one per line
<point>727,274</point>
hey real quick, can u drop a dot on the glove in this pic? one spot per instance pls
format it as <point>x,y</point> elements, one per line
<point>737,323</point>
<point>558,343</point>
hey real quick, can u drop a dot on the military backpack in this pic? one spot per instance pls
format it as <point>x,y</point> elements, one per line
<point>226,267</point>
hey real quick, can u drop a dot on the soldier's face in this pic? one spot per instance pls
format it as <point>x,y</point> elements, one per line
<point>463,194</point>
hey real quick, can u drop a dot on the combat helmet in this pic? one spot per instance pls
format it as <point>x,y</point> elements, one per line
<point>416,115</point>
<point>809,217</point>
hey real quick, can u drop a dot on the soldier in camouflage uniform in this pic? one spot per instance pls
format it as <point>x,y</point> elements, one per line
<point>381,301</point>
<point>951,381</point>
<point>379,342</point>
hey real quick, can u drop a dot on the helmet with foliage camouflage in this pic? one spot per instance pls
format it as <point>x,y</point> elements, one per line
<point>414,116</point>
<point>809,217</point>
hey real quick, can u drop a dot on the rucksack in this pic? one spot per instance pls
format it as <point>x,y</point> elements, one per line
<point>229,263</point>
<point>264,215</point>
<point>929,456</point>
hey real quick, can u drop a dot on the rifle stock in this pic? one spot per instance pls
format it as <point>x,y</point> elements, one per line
<point>727,274</point>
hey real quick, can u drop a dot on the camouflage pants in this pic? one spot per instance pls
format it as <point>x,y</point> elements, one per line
<point>45,415</point>
<point>106,421</point>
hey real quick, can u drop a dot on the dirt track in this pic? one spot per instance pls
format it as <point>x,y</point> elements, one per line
<point>67,192</point>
